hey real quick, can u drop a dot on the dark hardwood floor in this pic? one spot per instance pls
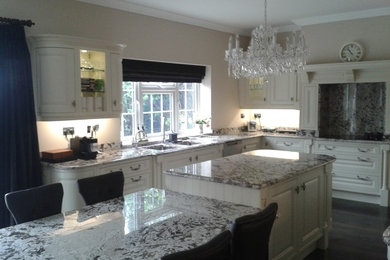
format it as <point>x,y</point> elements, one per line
<point>356,233</point>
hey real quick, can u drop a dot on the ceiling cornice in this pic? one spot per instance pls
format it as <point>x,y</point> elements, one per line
<point>342,17</point>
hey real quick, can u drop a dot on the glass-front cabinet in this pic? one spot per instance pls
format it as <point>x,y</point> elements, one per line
<point>92,80</point>
<point>76,78</point>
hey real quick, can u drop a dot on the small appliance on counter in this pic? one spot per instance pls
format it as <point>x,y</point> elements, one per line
<point>172,138</point>
<point>252,126</point>
<point>84,148</point>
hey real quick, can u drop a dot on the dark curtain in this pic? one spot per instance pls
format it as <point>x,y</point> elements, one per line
<point>20,163</point>
<point>151,71</point>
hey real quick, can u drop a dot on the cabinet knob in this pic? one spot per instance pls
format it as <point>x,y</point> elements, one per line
<point>292,99</point>
<point>297,189</point>
<point>74,103</point>
<point>303,186</point>
<point>190,159</point>
<point>265,99</point>
<point>196,158</point>
<point>114,102</point>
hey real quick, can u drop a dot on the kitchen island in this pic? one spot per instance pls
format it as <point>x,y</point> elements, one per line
<point>300,183</point>
<point>144,225</point>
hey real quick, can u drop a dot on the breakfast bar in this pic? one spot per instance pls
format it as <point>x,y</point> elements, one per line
<point>144,225</point>
<point>300,183</point>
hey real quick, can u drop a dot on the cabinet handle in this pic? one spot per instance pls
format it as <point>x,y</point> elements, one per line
<point>363,178</point>
<point>190,159</point>
<point>364,159</point>
<point>292,99</point>
<point>136,179</point>
<point>135,168</point>
<point>114,102</point>
<point>329,147</point>
<point>364,150</point>
<point>265,99</point>
<point>303,186</point>
<point>297,189</point>
<point>196,158</point>
<point>287,144</point>
<point>120,169</point>
<point>74,103</point>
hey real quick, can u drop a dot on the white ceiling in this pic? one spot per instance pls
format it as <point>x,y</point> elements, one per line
<point>241,16</point>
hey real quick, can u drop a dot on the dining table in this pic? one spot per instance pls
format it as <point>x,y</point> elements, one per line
<point>143,225</point>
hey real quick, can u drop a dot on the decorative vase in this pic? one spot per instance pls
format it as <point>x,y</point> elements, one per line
<point>201,128</point>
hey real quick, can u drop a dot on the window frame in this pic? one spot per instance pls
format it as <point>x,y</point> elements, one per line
<point>141,88</point>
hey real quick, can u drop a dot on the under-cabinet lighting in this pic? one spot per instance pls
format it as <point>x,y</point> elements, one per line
<point>276,154</point>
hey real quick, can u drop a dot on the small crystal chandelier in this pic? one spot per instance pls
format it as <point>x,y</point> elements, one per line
<point>264,56</point>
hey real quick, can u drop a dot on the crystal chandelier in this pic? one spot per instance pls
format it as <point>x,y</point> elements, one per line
<point>264,56</point>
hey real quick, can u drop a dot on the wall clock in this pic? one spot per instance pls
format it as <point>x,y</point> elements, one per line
<point>352,51</point>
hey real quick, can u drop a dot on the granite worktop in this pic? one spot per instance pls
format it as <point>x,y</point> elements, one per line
<point>143,225</point>
<point>198,141</point>
<point>256,169</point>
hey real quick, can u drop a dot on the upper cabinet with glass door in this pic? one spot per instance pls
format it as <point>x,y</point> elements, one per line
<point>280,91</point>
<point>76,78</point>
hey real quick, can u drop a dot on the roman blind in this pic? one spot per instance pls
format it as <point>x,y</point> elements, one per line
<point>150,71</point>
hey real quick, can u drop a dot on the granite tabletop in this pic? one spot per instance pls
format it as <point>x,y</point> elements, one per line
<point>256,169</point>
<point>143,225</point>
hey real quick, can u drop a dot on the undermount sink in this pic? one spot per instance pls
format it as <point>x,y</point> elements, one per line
<point>160,147</point>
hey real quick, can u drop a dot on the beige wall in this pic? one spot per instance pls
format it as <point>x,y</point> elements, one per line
<point>155,39</point>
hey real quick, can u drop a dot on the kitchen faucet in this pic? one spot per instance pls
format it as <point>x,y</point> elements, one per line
<point>140,136</point>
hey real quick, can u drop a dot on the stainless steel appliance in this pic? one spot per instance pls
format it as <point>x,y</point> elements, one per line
<point>84,148</point>
<point>232,147</point>
<point>252,126</point>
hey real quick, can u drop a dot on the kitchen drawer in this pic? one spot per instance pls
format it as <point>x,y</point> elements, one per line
<point>129,167</point>
<point>356,182</point>
<point>250,144</point>
<point>338,148</point>
<point>137,182</point>
<point>279,143</point>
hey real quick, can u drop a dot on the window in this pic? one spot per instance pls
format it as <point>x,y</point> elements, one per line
<point>154,105</point>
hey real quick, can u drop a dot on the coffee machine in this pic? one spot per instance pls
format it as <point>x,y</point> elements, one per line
<point>84,148</point>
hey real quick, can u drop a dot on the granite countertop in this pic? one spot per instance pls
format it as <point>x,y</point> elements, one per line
<point>143,225</point>
<point>256,169</point>
<point>126,153</point>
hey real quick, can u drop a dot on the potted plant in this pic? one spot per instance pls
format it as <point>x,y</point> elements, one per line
<point>202,122</point>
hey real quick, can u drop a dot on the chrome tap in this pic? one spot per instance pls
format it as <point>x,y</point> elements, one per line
<point>140,136</point>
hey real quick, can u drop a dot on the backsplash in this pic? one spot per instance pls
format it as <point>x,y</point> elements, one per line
<point>351,111</point>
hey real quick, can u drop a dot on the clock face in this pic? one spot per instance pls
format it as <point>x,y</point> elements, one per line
<point>351,52</point>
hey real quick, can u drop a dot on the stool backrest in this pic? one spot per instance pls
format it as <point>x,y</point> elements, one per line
<point>35,203</point>
<point>102,187</point>
<point>251,234</point>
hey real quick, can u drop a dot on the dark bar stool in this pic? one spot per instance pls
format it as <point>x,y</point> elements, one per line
<point>35,203</point>
<point>217,248</point>
<point>102,187</point>
<point>251,234</point>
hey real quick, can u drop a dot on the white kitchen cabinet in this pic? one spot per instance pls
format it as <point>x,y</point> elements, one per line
<point>300,217</point>
<point>359,171</point>
<point>251,144</point>
<point>138,173</point>
<point>302,145</point>
<point>281,91</point>
<point>75,78</point>
<point>309,107</point>
<point>182,158</point>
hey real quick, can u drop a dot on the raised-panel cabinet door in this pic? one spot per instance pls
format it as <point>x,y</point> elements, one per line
<point>311,206</point>
<point>283,236</point>
<point>56,94</point>
<point>309,108</point>
<point>116,82</point>
<point>253,93</point>
<point>284,89</point>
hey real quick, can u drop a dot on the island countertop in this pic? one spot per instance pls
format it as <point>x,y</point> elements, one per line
<point>143,225</point>
<point>256,169</point>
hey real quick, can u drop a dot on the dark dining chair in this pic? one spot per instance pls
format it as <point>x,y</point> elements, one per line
<point>35,203</point>
<point>251,234</point>
<point>102,187</point>
<point>217,248</point>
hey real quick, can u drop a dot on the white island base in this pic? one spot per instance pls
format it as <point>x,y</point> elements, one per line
<point>302,189</point>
